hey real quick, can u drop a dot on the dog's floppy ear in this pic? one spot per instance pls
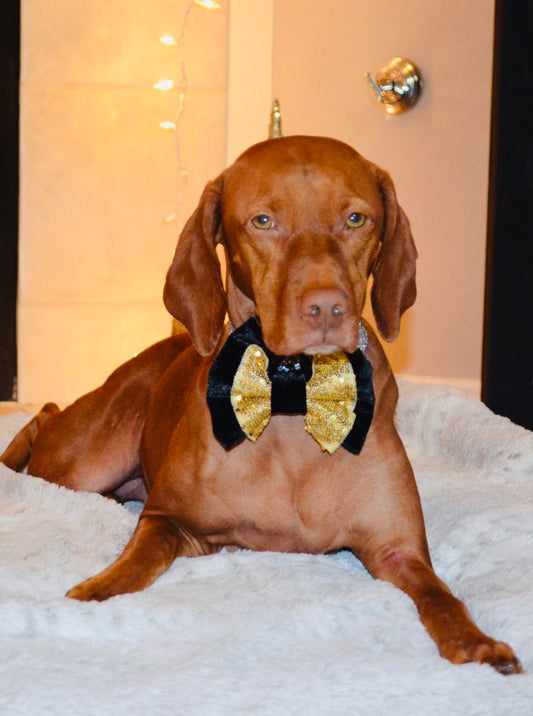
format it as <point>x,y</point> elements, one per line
<point>394,287</point>
<point>193,292</point>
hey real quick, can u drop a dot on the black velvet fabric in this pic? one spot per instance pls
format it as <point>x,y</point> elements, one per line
<point>288,375</point>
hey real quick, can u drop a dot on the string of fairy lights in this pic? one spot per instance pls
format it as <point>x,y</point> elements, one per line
<point>165,84</point>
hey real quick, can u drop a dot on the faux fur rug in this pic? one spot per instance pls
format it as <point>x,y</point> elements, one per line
<point>264,633</point>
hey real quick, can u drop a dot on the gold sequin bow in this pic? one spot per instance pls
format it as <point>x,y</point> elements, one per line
<point>331,395</point>
<point>247,384</point>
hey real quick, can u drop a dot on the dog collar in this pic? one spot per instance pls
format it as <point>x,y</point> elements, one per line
<point>248,384</point>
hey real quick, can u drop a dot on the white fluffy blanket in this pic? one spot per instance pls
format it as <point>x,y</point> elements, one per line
<point>251,633</point>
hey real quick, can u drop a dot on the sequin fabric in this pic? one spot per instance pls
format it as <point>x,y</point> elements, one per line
<point>331,395</point>
<point>250,393</point>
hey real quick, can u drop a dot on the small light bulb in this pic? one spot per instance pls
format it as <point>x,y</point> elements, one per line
<point>164,84</point>
<point>208,4</point>
<point>167,125</point>
<point>168,40</point>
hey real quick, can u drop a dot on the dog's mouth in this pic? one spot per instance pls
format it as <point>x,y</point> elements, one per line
<point>315,342</point>
<point>315,345</point>
<point>323,349</point>
<point>330,339</point>
<point>316,332</point>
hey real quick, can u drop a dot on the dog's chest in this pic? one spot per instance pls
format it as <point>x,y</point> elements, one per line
<point>281,493</point>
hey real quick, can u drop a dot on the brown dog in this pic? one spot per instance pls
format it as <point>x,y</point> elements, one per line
<point>304,222</point>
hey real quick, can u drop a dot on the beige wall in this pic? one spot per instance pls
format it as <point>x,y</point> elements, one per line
<point>99,177</point>
<point>250,67</point>
<point>437,153</point>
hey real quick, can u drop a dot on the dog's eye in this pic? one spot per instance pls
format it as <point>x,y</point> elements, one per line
<point>354,221</point>
<point>262,222</point>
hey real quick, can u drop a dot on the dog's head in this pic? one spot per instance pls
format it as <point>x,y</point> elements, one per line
<point>304,222</point>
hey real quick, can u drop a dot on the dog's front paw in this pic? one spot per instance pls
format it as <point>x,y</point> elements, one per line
<point>500,656</point>
<point>485,651</point>
<point>93,589</point>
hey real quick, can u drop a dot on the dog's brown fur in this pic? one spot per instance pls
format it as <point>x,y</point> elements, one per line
<point>146,432</point>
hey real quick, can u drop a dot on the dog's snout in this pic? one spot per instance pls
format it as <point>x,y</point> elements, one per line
<point>323,307</point>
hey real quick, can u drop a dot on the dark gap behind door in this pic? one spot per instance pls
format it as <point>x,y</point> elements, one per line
<point>9,190</point>
<point>508,331</point>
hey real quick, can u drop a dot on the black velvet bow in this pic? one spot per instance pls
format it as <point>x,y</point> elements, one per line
<point>288,376</point>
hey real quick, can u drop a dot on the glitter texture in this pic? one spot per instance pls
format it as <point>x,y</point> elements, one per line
<point>331,394</point>
<point>250,393</point>
<point>331,397</point>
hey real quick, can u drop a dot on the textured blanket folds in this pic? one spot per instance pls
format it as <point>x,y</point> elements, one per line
<point>265,633</point>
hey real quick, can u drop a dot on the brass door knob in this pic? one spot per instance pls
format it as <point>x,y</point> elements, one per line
<point>397,84</point>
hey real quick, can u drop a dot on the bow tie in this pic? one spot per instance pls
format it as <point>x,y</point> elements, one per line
<point>248,383</point>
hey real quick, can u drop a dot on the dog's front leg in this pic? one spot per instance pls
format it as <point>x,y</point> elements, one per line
<point>154,546</point>
<point>444,616</point>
